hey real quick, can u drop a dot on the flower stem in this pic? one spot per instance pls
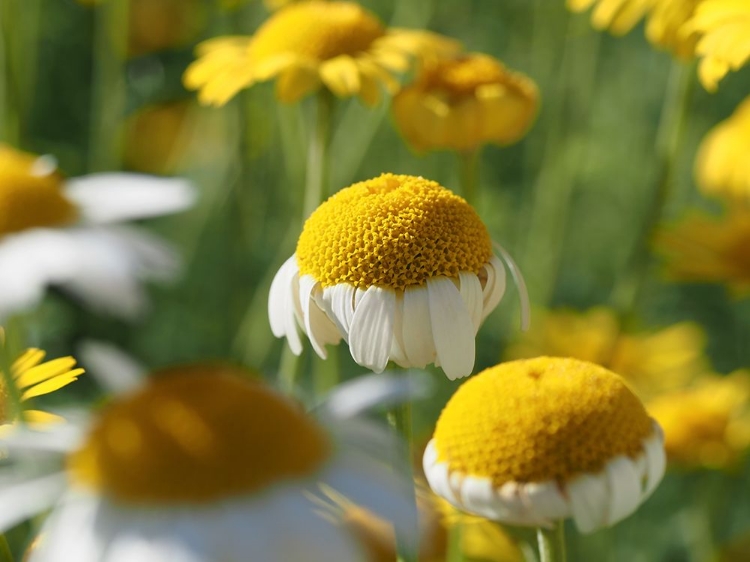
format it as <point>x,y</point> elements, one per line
<point>289,367</point>
<point>317,154</point>
<point>400,418</point>
<point>5,553</point>
<point>455,536</point>
<point>9,351</point>
<point>552,543</point>
<point>469,169</point>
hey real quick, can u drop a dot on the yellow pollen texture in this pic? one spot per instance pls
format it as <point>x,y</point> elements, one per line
<point>318,30</point>
<point>29,199</point>
<point>193,436</point>
<point>541,419</point>
<point>392,231</point>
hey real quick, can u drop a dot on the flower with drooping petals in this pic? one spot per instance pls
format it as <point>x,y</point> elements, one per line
<point>311,45</point>
<point>535,441</point>
<point>398,266</point>
<point>463,102</point>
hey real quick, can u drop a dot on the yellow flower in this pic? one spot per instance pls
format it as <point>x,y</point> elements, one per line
<point>34,378</point>
<point>664,20</point>
<point>707,424</point>
<point>722,166</point>
<point>464,102</point>
<point>309,45</point>
<point>651,361</point>
<point>534,441</point>
<point>709,249</point>
<point>723,27</point>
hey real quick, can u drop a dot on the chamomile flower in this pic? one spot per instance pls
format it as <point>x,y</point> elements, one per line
<point>311,45</point>
<point>398,266</point>
<point>65,233</point>
<point>204,465</point>
<point>534,441</point>
<point>464,102</point>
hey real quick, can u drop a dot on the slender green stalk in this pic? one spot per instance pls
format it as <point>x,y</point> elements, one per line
<point>8,353</point>
<point>552,543</point>
<point>317,154</point>
<point>327,372</point>
<point>469,168</point>
<point>455,535</point>
<point>400,418</point>
<point>289,368</point>
<point>5,553</point>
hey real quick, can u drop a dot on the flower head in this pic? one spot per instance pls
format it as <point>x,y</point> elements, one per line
<point>398,266</point>
<point>722,167</point>
<point>652,361</point>
<point>464,102</point>
<point>202,464</point>
<point>723,27</point>
<point>532,441</point>
<point>309,45</point>
<point>709,249</point>
<point>708,423</point>
<point>55,231</point>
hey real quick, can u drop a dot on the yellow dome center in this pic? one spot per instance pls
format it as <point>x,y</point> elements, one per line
<point>192,436</point>
<point>538,420</point>
<point>463,75</point>
<point>392,231</point>
<point>30,194</point>
<point>317,30</point>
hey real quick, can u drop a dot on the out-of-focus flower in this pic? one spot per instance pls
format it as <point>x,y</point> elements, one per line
<point>723,27</point>
<point>534,441</point>
<point>708,423</point>
<point>65,233</point>
<point>34,378</point>
<point>709,249</point>
<point>203,465</point>
<point>270,4</point>
<point>308,46</point>
<point>155,137</point>
<point>398,266</point>
<point>651,361</point>
<point>722,166</point>
<point>464,102</point>
<point>664,20</point>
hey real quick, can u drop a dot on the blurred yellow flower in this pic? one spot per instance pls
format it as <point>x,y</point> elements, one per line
<point>664,20</point>
<point>722,166</point>
<point>463,102</point>
<point>707,424</point>
<point>309,45</point>
<point>709,249</point>
<point>651,361</point>
<point>723,27</point>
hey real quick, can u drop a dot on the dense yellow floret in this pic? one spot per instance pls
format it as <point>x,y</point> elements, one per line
<point>29,197</point>
<point>538,420</point>
<point>196,435</point>
<point>392,231</point>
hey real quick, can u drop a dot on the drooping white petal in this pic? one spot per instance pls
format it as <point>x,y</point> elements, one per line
<point>589,500</point>
<point>523,292</point>
<point>339,305</point>
<point>438,476</point>
<point>397,353</point>
<point>656,460</point>
<point>452,328</point>
<point>419,345</point>
<point>318,326</point>
<point>494,288</point>
<point>372,328</point>
<point>117,371</point>
<point>546,500</point>
<point>114,197</point>
<point>624,489</point>
<point>21,500</point>
<point>471,293</point>
<point>281,304</point>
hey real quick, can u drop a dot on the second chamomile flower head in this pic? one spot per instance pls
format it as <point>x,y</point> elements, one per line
<point>398,266</point>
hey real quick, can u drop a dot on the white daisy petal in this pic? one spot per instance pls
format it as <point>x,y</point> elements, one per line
<point>419,345</point>
<point>471,293</point>
<point>397,353</point>
<point>339,305</point>
<point>21,500</point>
<point>452,328</point>
<point>589,498</point>
<point>115,197</point>
<point>372,328</point>
<point>495,287</point>
<point>317,324</point>
<point>282,299</point>
<point>656,461</point>
<point>547,501</point>
<point>437,475</point>
<point>624,489</point>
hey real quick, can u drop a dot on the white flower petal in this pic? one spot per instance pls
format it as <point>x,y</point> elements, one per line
<point>471,293</point>
<point>589,499</point>
<point>282,299</point>
<point>24,499</point>
<point>438,476</point>
<point>114,197</point>
<point>397,353</point>
<point>656,460</point>
<point>547,501</point>
<point>339,305</point>
<point>494,289</point>
<point>318,326</point>
<point>452,328</point>
<point>372,328</point>
<point>117,371</point>
<point>624,489</point>
<point>54,440</point>
<point>419,346</point>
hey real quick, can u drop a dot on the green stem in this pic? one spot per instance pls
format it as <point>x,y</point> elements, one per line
<point>552,543</point>
<point>289,368</point>
<point>455,536</point>
<point>5,553</point>
<point>8,353</point>
<point>326,372</point>
<point>317,154</point>
<point>669,139</point>
<point>469,169</point>
<point>407,545</point>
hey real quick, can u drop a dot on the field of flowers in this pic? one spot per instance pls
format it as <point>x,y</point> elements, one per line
<point>378,280</point>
